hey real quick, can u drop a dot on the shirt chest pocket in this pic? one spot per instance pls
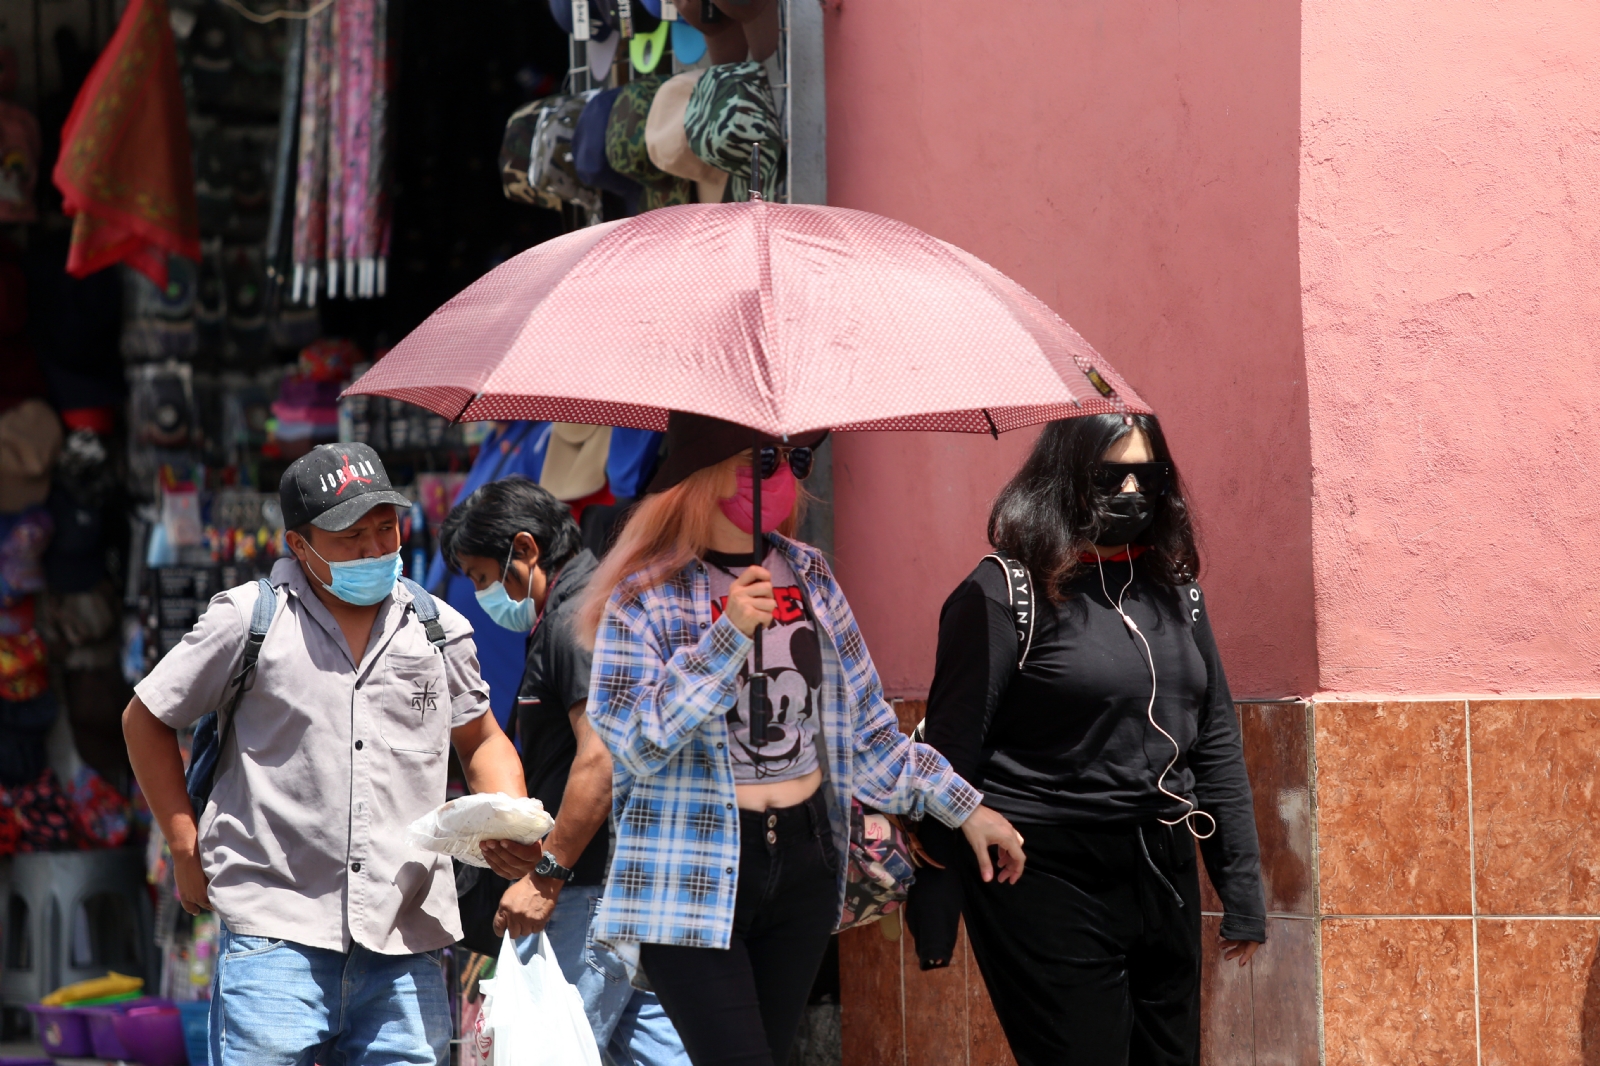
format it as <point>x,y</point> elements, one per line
<point>415,711</point>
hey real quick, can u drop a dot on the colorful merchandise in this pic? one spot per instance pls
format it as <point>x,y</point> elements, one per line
<point>667,143</point>
<point>30,440</point>
<point>341,218</point>
<point>24,667</point>
<point>125,172</point>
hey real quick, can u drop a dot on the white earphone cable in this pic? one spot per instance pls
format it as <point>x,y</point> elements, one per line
<point>1187,819</point>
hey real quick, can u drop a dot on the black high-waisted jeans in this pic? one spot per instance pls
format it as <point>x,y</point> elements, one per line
<point>742,1006</point>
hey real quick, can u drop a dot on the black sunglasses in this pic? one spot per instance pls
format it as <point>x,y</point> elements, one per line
<point>799,460</point>
<point>1153,479</point>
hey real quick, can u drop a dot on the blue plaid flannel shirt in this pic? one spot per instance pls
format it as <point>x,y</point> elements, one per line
<point>664,677</point>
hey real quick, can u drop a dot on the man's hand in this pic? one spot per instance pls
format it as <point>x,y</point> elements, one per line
<point>984,828</point>
<point>1243,950</point>
<point>511,860</point>
<point>750,601</point>
<point>526,907</point>
<point>194,891</point>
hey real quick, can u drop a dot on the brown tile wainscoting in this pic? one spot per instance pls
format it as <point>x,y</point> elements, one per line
<point>1432,872</point>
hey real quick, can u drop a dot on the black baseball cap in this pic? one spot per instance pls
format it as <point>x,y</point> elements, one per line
<point>695,442</point>
<point>333,485</point>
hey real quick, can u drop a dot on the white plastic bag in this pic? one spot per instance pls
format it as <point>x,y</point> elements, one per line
<point>460,825</point>
<point>531,1015</point>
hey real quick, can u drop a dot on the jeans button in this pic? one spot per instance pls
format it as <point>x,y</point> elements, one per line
<point>772,836</point>
<point>772,820</point>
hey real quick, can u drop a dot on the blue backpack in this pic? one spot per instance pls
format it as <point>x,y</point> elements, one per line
<point>209,738</point>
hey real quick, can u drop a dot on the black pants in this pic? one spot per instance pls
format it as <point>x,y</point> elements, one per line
<point>1093,957</point>
<point>743,1005</point>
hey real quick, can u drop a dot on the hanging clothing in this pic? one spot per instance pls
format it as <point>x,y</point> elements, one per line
<point>125,172</point>
<point>342,209</point>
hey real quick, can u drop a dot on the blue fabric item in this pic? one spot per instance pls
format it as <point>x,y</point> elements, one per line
<point>278,1001</point>
<point>652,6</point>
<point>518,448</point>
<point>632,460</point>
<point>688,43</point>
<point>629,1023</point>
<point>589,151</point>
<point>665,675</point>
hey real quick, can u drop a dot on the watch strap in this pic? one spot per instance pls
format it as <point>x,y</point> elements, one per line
<point>548,867</point>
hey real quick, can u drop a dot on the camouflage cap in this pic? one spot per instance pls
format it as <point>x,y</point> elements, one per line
<point>626,150</point>
<point>730,110</point>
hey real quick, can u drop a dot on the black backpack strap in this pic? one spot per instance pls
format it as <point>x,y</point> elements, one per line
<point>211,733</point>
<point>427,609</point>
<point>1189,598</point>
<point>1019,589</point>
<point>260,622</point>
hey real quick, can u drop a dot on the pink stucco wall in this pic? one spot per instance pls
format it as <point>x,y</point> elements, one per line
<point>1450,257</point>
<point>1135,165</point>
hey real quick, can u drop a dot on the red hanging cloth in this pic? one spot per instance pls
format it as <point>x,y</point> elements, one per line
<point>125,173</point>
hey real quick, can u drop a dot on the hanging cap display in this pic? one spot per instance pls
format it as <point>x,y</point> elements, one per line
<point>589,150</point>
<point>30,440</point>
<point>646,49</point>
<point>695,442</point>
<point>626,150</point>
<point>603,53</point>
<point>668,144</point>
<point>536,158</point>
<point>688,43</point>
<point>730,109</point>
<point>575,460</point>
<point>724,38</point>
<point>758,19</point>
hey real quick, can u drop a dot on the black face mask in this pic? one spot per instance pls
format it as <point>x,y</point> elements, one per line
<point>1123,518</point>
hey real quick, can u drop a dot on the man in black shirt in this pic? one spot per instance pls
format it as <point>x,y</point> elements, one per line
<point>523,552</point>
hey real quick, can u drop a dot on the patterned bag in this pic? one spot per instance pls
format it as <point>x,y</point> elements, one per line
<point>880,870</point>
<point>730,110</point>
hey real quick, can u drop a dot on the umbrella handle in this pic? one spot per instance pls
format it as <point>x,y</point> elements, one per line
<point>760,706</point>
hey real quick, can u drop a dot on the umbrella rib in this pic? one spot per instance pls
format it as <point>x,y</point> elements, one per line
<point>993,432</point>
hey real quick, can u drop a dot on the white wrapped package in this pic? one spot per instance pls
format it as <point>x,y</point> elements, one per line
<point>457,827</point>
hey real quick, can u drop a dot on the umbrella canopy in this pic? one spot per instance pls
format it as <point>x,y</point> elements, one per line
<point>782,317</point>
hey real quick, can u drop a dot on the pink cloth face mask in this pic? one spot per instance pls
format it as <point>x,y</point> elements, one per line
<point>777,500</point>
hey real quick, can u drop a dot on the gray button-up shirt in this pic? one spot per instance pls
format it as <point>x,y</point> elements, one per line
<point>330,760</point>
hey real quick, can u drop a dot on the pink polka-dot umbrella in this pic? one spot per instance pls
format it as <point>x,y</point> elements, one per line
<point>781,317</point>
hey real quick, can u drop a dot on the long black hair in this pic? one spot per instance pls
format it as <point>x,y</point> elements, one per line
<point>1047,513</point>
<point>486,522</point>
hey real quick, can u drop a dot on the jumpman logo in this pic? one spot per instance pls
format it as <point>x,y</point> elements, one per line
<point>348,474</point>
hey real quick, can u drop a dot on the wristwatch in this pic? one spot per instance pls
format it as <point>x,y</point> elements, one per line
<point>548,867</point>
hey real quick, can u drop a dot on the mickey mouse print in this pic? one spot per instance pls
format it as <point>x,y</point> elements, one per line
<point>792,655</point>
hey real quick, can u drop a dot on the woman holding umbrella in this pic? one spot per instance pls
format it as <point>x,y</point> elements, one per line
<point>1104,728</point>
<point>730,843</point>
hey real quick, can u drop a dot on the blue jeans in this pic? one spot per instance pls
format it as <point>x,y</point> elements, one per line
<point>278,1003</point>
<point>629,1024</point>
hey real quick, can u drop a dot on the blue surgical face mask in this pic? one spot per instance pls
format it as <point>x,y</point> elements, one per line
<point>362,582</point>
<point>515,615</point>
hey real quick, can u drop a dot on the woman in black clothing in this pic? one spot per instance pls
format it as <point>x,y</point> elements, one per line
<point>1112,747</point>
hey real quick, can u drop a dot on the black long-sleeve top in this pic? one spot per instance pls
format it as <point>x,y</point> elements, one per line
<point>1068,739</point>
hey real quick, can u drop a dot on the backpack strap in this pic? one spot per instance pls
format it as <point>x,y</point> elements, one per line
<point>1189,596</point>
<point>260,622</point>
<point>1019,590</point>
<point>427,609</point>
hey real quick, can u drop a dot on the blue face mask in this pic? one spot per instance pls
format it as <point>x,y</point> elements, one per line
<point>362,582</point>
<point>515,615</point>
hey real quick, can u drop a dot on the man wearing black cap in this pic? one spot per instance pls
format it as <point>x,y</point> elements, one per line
<point>332,923</point>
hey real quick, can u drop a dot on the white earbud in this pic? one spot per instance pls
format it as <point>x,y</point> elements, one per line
<point>1150,711</point>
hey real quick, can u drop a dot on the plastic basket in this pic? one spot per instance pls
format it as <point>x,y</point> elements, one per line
<point>197,1030</point>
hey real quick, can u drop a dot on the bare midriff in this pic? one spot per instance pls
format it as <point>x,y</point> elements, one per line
<point>778,794</point>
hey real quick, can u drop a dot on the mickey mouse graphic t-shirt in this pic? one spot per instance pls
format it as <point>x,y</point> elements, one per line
<point>792,656</point>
